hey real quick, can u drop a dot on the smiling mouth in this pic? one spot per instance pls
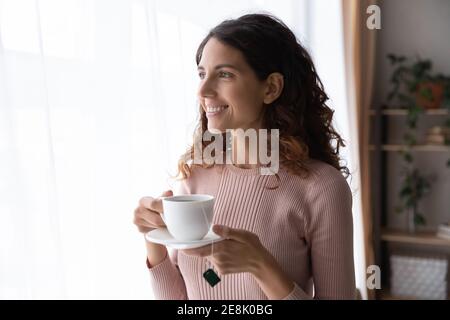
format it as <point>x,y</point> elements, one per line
<point>215,110</point>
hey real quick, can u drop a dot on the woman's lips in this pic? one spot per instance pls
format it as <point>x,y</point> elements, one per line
<point>215,111</point>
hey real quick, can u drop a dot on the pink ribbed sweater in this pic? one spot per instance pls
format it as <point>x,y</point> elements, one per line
<point>306,224</point>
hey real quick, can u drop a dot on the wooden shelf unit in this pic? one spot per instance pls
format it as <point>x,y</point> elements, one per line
<point>386,240</point>
<point>404,112</point>
<point>427,238</point>
<point>419,147</point>
<point>386,294</point>
<point>421,238</point>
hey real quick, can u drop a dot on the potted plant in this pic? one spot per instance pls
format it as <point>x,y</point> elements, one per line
<point>429,94</point>
<point>414,187</point>
<point>416,89</point>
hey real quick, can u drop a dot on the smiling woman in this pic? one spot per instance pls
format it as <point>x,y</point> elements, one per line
<point>230,93</point>
<point>293,240</point>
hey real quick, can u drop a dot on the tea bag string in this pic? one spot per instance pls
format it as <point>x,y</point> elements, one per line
<point>210,275</point>
<point>212,241</point>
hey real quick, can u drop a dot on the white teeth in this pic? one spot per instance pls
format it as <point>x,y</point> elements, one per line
<point>215,108</point>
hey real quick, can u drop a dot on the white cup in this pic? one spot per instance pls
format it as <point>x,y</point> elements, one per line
<point>188,217</point>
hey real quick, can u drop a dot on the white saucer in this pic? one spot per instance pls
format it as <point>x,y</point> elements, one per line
<point>162,236</point>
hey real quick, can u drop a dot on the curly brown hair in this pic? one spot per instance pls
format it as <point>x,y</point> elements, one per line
<point>300,112</point>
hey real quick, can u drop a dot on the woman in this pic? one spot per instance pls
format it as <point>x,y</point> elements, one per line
<point>288,236</point>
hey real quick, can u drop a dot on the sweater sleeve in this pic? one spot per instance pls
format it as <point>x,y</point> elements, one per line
<point>297,293</point>
<point>166,280</point>
<point>330,233</point>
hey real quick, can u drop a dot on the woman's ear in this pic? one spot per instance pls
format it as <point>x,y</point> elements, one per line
<point>274,87</point>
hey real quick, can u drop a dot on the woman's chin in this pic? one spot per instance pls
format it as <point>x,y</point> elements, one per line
<point>215,129</point>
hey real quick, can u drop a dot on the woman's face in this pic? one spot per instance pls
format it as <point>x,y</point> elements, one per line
<point>229,91</point>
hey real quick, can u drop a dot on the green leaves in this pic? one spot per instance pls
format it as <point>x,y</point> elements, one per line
<point>414,188</point>
<point>419,219</point>
<point>394,59</point>
<point>412,91</point>
<point>421,68</point>
<point>426,93</point>
<point>407,78</point>
<point>408,157</point>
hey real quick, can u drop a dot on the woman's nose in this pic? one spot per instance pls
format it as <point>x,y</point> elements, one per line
<point>206,88</point>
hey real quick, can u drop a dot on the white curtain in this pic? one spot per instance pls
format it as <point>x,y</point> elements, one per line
<point>97,101</point>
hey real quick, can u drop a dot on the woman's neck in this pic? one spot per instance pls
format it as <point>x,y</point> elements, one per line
<point>244,151</point>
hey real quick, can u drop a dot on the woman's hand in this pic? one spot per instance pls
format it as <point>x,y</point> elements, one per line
<point>147,214</point>
<point>241,251</point>
<point>146,218</point>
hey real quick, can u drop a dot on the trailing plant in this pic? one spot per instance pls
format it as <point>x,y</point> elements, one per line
<point>415,88</point>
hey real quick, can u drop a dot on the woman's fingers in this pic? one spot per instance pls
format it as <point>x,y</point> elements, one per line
<point>152,217</point>
<point>240,235</point>
<point>154,204</point>
<point>147,218</point>
<point>219,249</point>
<point>147,215</point>
<point>144,223</point>
<point>199,252</point>
<point>143,229</point>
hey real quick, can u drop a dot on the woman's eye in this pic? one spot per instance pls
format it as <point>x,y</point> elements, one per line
<point>225,74</point>
<point>222,74</point>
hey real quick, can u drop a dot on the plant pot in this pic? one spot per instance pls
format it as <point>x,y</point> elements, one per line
<point>429,95</point>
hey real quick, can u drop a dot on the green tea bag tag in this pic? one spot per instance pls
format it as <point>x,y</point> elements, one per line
<point>211,277</point>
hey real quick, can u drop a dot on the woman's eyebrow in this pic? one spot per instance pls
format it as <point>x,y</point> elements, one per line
<point>223,65</point>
